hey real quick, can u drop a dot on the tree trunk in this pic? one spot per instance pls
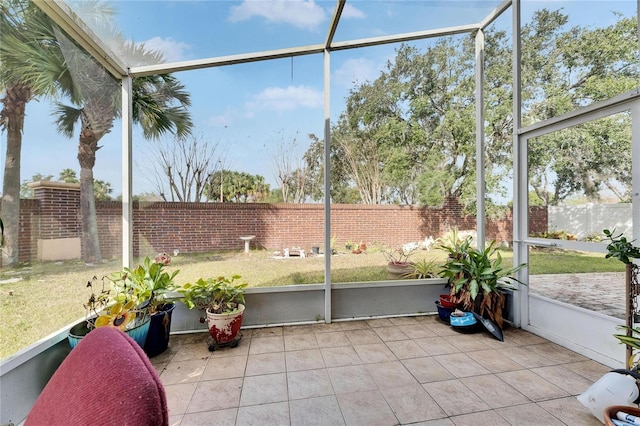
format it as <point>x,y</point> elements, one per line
<point>87,158</point>
<point>12,118</point>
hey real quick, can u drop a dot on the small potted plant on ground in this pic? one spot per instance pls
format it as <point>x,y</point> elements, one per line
<point>150,285</point>
<point>398,264</point>
<point>222,301</point>
<point>106,309</point>
<point>478,279</point>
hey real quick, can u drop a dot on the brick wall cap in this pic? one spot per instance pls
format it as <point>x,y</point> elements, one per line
<point>56,185</point>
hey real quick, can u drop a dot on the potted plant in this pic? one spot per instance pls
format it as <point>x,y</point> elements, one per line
<point>222,301</point>
<point>622,249</point>
<point>398,264</point>
<point>150,286</point>
<point>478,279</point>
<point>120,311</point>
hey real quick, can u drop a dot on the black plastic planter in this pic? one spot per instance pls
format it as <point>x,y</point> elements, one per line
<point>159,329</point>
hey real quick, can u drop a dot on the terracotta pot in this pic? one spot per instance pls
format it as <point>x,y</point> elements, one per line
<point>445,301</point>
<point>223,328</point>
<point>399,270</point>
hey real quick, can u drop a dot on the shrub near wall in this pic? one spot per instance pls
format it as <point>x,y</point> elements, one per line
<point>204,227</point>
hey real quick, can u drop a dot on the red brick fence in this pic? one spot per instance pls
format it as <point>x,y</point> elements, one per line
<point>52,220</point>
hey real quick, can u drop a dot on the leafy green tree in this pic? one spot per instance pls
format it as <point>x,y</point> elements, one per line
<point>159,106</point>
<point>68,176</point>
<point>102,190</point>
<point>237,187</point>
<point>26,191</point>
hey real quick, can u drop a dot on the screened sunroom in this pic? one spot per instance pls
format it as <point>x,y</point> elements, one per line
<point>199,129</point>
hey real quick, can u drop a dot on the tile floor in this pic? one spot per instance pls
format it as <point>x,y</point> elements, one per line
<point>408,370</point>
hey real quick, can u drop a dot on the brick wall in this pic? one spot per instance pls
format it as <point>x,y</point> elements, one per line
<point>202,227</point>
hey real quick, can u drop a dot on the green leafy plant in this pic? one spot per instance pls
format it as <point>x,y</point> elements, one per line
<point>472,272</point>
<point>620,248</point>
<point>147,284</point>
<point>632,340</point>
<point>424,268</point>
<point>218,295</point>
<point>103,310</point>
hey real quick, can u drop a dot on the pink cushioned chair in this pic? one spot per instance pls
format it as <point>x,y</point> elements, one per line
<point>106,380</point>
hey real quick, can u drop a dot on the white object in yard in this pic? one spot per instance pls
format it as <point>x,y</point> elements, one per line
<point>611,389</point>
<point>246,240</point>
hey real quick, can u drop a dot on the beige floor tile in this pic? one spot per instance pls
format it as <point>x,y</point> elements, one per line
<point>519,337</point>
<point>494,361</point>
<point>216,395</point>
<point>468,342</point>
<point>264,389</point>
<point>298,329</point>
<point>268,363</point>
<point>183,372</point>
<point>366,408</point>
<point>340,356</point>
<point>379,322</point>
<point>353,378</point>
<point>495,392</point>
<point>263,345</point>
<point>404,349</point>
<point>564,378</point>
<point>390,334</point>
<point>590,370</point>
<point>354,325</point>
<point>320,411</point>
<point>225,368</point>
<point>241,349</point>
<point>326,328</point>
<point>274,414</point>
<point>219,417</point>
<point>192,351</point>
<point>418,331</point>
<point>483,418</point>
<point>427,370</point>
<point>165,356</point>
<point>173,420</point>
<point>460,365</point>
<point>267,332</point>
<point>524,356</point>
<point>309,384</point>
<point>178,397</point>
<point>304,360</point>
<point>390,374</point>
<point>375,352</point>
<point>412,404</point>
<point>296,342</point>
<point>185,338</point>
<point>332,339</point>
<point>557,353</point>
<point>438,422</point>
<point>570,411</point>
<point>529,415</point>
<point>436,346</point>
<point>455,398</point>
<point>404,321</point>
<point>532,386</point>
<point>363,337</point>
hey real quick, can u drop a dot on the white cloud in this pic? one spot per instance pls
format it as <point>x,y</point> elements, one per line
<point>351,12</point>
<point>304,14</point>
<point>283,99</point>
<point>222,120</point>
<point>173,51</point>
<point>356,71</point>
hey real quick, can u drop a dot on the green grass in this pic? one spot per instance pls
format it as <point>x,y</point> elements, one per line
<point>50,295</point>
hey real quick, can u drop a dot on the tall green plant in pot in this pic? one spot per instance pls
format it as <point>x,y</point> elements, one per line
<point>151,286</point>
<point>221,300</point>
<point>622,249</point>
<point>477,278</point>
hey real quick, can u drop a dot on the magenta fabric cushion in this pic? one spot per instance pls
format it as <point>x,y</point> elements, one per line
<point>106,380</point>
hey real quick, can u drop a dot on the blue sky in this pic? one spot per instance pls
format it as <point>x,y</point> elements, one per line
<point>249,109</point>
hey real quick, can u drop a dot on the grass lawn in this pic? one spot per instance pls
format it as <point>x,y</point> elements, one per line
<point>50,296</point>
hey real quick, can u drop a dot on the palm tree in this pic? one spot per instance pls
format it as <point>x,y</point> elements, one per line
<point>29,67</point>
<point>159,106</point>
